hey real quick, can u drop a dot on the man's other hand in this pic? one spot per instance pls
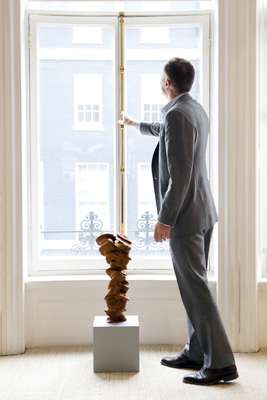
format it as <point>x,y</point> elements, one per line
<point>161,232</point>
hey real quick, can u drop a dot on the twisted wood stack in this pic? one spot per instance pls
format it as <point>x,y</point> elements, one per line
<point>116,250</point>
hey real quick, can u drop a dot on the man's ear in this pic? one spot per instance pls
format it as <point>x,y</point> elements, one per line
<point>167,83</point>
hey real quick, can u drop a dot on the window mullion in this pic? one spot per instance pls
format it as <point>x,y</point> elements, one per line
<point>121,100</point>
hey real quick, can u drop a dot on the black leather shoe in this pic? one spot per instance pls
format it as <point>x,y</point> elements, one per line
<point>208,376</point>
<point>180,361</point>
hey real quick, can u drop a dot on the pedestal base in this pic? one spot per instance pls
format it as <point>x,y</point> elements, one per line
<point>116,345</point>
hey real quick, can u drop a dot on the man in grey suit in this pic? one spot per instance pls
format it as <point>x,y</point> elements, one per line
<point>186,216</point>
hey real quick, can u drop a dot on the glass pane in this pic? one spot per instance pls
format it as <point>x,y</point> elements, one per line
<point>76,197</point>
<point>144,100</point>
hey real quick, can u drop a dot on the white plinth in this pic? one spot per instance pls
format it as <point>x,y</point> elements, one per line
<point>116,345</point>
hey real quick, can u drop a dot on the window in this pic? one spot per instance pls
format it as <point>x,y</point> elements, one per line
<point>92,195</point>
<point>41,197</point>
<point>87,101</point>
<point>87,34</point>
<point>145,195</point>
<point>152,99</point>
<point>154,34</point>
<point>146,216</point>
<point>88,113</point>
<point>152,112</point>
<point>144,100</point>
<point>66,93</point>
<point>94,183</point>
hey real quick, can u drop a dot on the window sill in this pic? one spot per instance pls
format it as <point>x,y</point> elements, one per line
<point>98,277</point>
<point>102,277</point>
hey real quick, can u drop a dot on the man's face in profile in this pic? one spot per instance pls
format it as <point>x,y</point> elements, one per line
<point>162,83</point>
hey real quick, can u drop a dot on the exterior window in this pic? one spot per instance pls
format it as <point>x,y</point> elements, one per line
<point>144,65</point>
<point>87,101</point>
<point>88,113</point>
<point>87,34</point>
<point>152,112</point>
<point>78,186</point>
<point>152,99</point>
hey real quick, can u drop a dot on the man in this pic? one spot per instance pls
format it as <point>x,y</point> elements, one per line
<point>186,216</point>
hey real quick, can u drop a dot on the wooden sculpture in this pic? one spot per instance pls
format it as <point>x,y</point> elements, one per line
<point>116,250</point>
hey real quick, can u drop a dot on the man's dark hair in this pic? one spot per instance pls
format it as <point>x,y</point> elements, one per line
<point>181,73</point>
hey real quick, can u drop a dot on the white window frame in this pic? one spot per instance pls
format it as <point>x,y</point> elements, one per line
<point>81,265</point>
<point>204,20</point>
<point>57,265</point>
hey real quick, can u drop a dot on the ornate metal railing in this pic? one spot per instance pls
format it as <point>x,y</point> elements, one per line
<point>143,240</point>
<point>144,236</point>
<point>90,227</point>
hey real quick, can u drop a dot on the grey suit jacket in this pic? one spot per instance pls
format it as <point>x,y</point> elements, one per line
<point>182,190</point>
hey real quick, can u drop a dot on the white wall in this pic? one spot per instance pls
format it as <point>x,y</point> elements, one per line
<point>11,210</point>
<point>62,313</point>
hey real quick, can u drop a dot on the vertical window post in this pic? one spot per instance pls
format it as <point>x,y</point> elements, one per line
<point>121,126</point>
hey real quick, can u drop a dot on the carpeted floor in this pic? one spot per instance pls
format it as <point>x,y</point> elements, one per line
<point>67,374</point>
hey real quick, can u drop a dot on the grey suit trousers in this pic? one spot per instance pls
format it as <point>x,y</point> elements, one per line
<point>207,339</point>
